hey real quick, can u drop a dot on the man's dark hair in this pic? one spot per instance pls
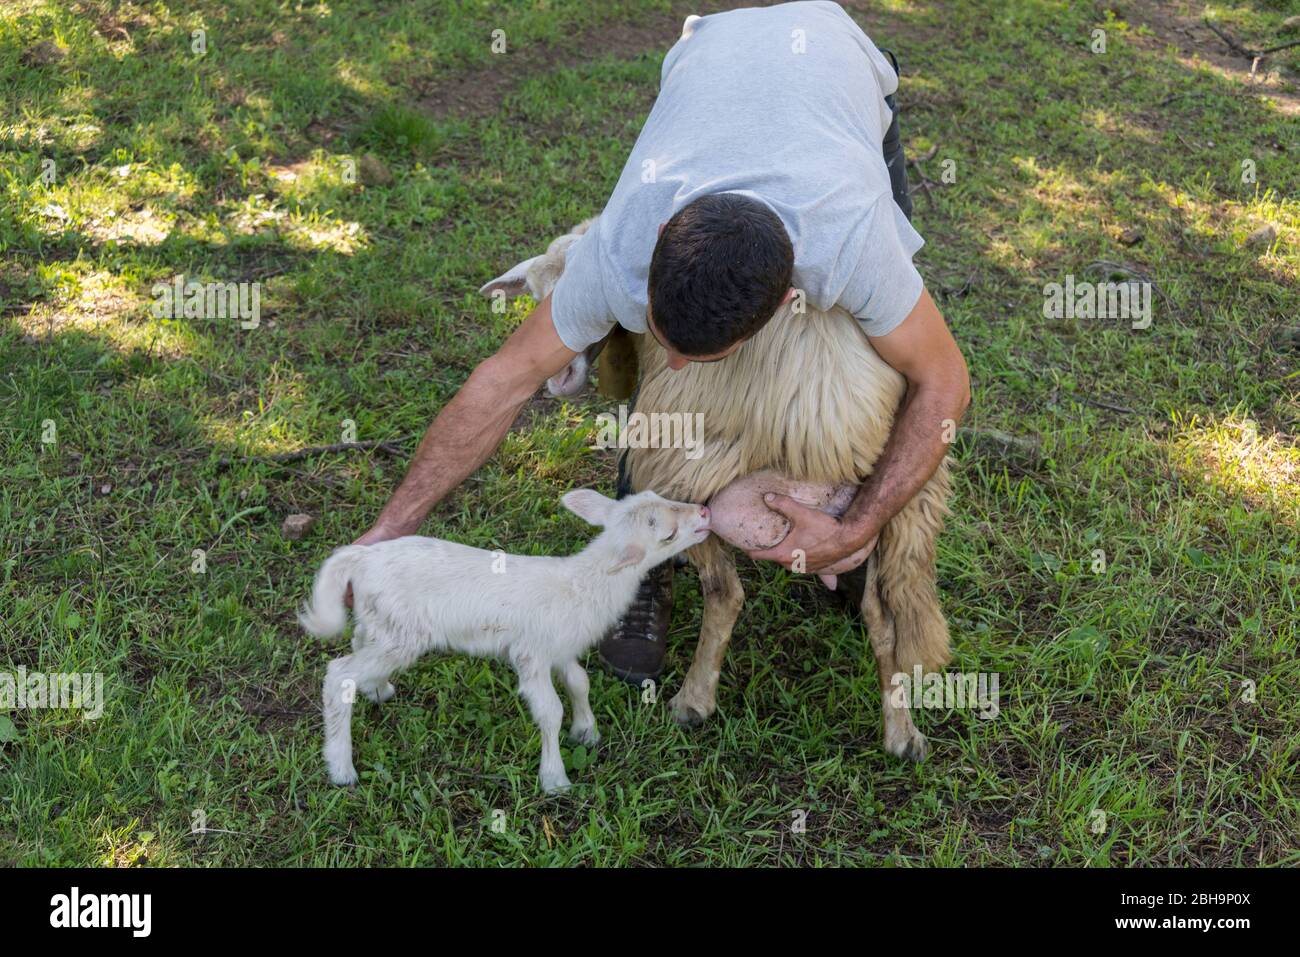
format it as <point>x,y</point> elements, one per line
<point>719,271</point>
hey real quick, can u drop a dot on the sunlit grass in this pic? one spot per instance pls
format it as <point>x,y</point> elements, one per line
<point>1233,455</point>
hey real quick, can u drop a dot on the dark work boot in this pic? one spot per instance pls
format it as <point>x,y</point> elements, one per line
<point>635,649</point>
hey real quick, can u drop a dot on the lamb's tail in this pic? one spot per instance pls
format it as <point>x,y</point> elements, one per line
<point>325,615</point>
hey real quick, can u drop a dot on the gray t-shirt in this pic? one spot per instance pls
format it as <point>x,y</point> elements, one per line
<point>786,105</point>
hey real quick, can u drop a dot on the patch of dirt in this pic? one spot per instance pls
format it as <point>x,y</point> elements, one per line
<point>1199,48</point>
<point>480,92</point>
<point>273,710</point>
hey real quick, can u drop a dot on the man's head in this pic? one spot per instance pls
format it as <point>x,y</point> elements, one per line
<point>720,270</point>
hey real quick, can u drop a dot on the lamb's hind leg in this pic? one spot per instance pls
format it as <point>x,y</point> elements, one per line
<point>378,688</point>
<point>723,598</point>
<point>901,737</point>
<point>339,693</point>
<point>366,671</point>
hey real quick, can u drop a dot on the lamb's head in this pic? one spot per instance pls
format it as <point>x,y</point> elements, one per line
<point>645,528</point>
<point>538,277</point>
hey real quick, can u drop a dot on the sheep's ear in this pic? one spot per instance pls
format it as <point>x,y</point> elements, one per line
<point>512,282</point>
<point>589,505</point>
<point>632,554</point>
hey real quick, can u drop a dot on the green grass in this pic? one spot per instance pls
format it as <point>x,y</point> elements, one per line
<point>1122,690</point>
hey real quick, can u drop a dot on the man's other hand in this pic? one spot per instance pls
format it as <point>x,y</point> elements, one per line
<point>373,537</point>
<point>826,544</point>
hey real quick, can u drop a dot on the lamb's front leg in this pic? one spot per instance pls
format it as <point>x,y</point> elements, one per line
<point>544,704</point>
<point>723,598</point>
<point>583,730</point>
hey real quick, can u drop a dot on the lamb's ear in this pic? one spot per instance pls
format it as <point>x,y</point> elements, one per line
<point>589,505</point>
<point>512,282</point>
<point>632,554</point>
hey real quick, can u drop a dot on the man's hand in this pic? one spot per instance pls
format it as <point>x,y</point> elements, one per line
<point>828,546</point>
<point>373,537</point>
<point>380,533</point>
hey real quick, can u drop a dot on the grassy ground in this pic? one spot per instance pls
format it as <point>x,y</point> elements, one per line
<point>1172,449</point>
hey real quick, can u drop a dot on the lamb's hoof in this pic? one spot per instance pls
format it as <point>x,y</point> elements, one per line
<point>380,695</point>
<point>343,777</point>
<point>685,714</point>
<point>588,736</point>
<point>555,783</point>
<point>912,747</point>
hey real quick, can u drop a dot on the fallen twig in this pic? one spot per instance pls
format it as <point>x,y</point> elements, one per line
<point>1246,52</point>
<point>1089,400</point>
<point>925,182</point>
<point>1004,443</point>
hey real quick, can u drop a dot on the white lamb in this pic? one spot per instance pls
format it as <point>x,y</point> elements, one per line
<point>414,594</point>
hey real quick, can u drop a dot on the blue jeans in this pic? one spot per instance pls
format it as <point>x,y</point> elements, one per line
<point>893,150</point>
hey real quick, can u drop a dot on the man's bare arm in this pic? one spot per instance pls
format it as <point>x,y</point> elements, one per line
<point>473,424</point>
<point>938,390</point>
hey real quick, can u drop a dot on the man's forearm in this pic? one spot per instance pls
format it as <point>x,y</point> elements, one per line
<point>462,437</point>
<point>915,448</point>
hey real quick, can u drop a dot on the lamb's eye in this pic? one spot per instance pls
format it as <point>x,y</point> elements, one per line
<point>665,541</point>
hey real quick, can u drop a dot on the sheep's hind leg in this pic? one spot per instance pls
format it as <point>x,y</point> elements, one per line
<point>907,577</point>
<point>901,737</point>
<point>723,598</point>
<point>578,687</point>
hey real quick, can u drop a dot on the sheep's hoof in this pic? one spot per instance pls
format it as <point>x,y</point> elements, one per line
<point>588,736</point>
<point>382,694</point>
<point>912,747</point>
<point>687,715</point>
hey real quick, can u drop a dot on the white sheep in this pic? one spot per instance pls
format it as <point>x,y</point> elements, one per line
<point>412,595</point>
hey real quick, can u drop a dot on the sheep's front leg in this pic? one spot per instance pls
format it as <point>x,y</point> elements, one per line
<point>901,737</point>
<point>723,598</point>
<point>544,704</point>
<point>583,730</point>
